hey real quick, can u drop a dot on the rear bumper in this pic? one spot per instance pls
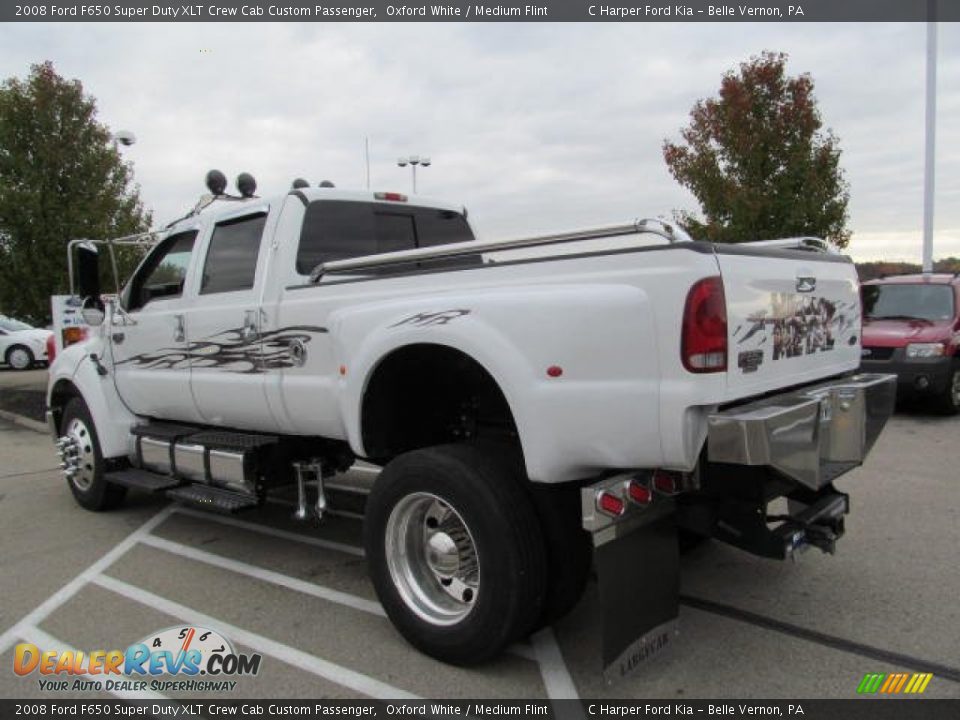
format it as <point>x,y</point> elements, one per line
<point>811,435</point>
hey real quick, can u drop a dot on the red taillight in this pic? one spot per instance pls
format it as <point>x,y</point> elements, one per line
<point>51,348</point>
<point>610,504</point>
<point>666,482</point>
<point>703,346</point>
<point>391,196</point>
<point>639,493</point>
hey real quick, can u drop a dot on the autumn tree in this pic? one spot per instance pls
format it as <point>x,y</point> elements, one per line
<point>757,160</point>
<point>61,177</point>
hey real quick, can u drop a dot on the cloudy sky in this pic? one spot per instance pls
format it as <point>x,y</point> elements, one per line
<point>533,126</point>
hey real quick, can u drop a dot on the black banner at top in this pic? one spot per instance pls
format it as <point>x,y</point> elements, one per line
<point>494,11</point>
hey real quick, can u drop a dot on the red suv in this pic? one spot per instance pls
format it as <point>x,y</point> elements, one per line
<point>911,327</point>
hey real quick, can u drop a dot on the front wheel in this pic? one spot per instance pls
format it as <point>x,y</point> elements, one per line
<point>83,461</point>
<point>950,400</point>
<point>455,551</point>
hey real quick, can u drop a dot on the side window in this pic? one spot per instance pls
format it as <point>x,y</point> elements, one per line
<point>231,262</point>
<point>162,273</point>
<point>335,230</point>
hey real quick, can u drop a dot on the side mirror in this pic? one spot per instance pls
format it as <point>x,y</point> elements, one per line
<point>93,311</point>
<point>88,271</point>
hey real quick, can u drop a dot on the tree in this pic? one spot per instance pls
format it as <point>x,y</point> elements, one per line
<point>757,161</point>
<point>61,177</point>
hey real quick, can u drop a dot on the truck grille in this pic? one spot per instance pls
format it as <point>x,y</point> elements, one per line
<point>877,353</point>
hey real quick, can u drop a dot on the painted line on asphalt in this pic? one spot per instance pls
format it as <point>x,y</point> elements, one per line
<point>318,591</point>
<point>815,636</point>
<point>30,472</point>
<point>43,610</point>
<point>291,583</point>
<point>271,531</point>
<point>38,637</point>
<point>556,677</point>
<point>297,658</point>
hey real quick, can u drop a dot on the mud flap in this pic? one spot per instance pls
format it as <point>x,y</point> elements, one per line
<point>637,563</point>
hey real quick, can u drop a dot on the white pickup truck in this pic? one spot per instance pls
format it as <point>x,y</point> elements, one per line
<point>538,406</point>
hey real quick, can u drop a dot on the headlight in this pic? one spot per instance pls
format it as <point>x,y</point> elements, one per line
<point>925,350</point>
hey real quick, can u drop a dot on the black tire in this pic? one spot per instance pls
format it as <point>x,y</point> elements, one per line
<point>950,399</point>
<point>485,492</point>
<point>19,349</point>
<point>92,491</point>
<point>569,549</point>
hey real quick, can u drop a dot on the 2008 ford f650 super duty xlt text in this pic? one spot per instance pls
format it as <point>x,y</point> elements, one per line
<point>538,406</point>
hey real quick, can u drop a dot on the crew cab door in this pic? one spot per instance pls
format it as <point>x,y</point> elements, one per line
<point>225,324</point>
<point>148,340</point>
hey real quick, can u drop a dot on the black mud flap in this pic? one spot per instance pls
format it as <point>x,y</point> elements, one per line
<point>638,571</point>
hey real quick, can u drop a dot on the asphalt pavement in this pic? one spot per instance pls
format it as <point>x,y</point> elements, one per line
<point>298,594</point>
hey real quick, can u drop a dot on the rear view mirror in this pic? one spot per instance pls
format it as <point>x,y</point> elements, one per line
<point>88,271</point>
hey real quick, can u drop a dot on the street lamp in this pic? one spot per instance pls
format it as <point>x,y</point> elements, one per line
<point>123,137</point>
<point>413,161</point>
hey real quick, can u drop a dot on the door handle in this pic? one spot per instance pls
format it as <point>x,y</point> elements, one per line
<point>179,333</point>
<point>249,331</point>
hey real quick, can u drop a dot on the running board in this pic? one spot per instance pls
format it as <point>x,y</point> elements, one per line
<point>141,480</point>
<point>211,498</point>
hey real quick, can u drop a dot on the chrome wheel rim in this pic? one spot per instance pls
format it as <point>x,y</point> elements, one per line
<point>19,359</point>
<point>79,460</point>
<point>432,559</point>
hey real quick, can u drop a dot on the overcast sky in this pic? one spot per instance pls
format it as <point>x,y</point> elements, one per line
<point>532,126</point>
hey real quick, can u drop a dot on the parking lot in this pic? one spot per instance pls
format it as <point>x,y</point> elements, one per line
<point>298,593</point>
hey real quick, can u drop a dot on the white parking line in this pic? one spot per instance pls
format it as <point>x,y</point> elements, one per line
<point>556,677</point>
<point>40,613</point>
<point>271,531</point>
<point>319,591</point>
<point>290,655</point>
<point>48,642</point>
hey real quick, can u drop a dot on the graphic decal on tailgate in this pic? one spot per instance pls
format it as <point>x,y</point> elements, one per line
<point>794,325</point>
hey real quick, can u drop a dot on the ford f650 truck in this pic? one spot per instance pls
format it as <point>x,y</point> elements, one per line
<point>539,407</point>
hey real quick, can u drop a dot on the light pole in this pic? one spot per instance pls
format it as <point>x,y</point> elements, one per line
<point>413,161</point>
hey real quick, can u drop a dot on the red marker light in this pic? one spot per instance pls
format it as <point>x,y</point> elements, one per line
<point>554,371</point>
<point>610,504</point>
<point>391,196</point>
<point>639,493</point>
<point>666,482</point>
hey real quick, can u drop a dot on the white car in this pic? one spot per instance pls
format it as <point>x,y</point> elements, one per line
<point>22,345</point>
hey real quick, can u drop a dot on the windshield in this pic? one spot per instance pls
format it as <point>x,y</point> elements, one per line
<point>11,325</point>
<point>908,302</point>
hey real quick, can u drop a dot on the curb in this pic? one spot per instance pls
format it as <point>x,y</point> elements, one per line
<point>25,422</point>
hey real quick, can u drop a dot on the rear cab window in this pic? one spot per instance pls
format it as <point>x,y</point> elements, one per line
<point>341,229</point>
<point>231,262</point>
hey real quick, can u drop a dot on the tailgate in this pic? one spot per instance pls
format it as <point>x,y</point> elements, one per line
<point>792,317</point>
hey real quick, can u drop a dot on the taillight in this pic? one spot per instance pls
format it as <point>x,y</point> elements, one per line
<point>51,348</point>
<point>703,346</point>
<point>666,482</point>
<point>639,493</point>
<point>610,504</point>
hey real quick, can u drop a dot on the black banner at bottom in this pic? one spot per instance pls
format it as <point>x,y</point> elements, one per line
<point>865,709</point>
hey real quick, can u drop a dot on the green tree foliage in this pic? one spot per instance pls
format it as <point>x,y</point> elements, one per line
<point>758,162</point>
<point>60,178</point>
<point>887,268</point>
